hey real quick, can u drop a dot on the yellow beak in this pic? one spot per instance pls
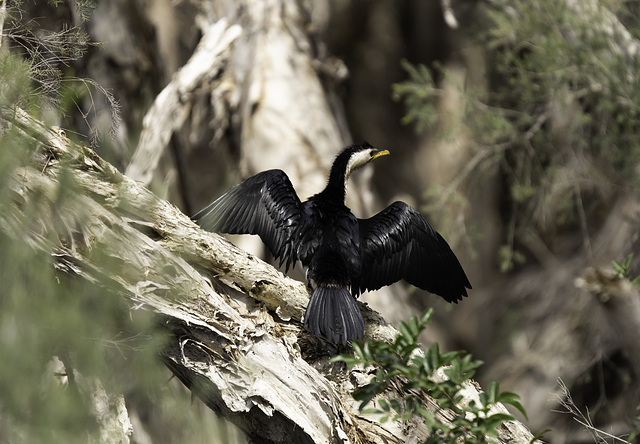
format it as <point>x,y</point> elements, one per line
<point>379,154</point>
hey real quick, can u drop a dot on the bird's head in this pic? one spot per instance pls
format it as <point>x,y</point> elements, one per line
<point>357,156</point>
<point>350,159</point>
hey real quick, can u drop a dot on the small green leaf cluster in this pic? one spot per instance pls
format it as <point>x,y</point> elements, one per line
<point>402,364</point>
<point>623,270</point>
<point>417,93</point>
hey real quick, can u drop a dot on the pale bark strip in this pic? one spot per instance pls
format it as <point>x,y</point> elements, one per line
<point>285,118</point>
<point>3,16</point>
<point>108,409</point>
<point>171,108</point>
<point>227,347</point>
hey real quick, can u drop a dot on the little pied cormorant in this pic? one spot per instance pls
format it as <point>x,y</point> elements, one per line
<point>344,256</point>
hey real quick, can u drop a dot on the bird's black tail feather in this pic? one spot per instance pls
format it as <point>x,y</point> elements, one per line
<point>333,313</point>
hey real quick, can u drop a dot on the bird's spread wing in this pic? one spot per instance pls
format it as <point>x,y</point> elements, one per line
<point>265,204</point>
<point>398,243</point>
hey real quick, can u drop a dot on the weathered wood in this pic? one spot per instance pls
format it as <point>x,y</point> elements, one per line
<point>172,106</point>
<point>235,321</point>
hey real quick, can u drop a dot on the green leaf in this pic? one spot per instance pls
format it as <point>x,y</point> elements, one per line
<point>405,332</point>
<point>539,435</point>
<point>358,351</point>
<point>381,377</point>
<point>396,405</point>
<point>350,360</point>
<point>493,392</point>
<point>512,399</point>
<point>494,421</point>
<point>457,399</point>
<point>447,357</point>
<point>371,411</point>
<point>366,352</point>
<point>461,370</point>
<point>367,393</point>
<point>415,327</point>
<point>484,398</point>
<point>432,358</point>
<point>426,316</point>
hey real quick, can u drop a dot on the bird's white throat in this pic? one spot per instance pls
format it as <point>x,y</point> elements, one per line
<point>357,160</point>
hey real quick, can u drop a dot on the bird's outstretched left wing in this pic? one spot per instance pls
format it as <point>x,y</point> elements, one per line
<point>265,204</point>
<point>398,243</point>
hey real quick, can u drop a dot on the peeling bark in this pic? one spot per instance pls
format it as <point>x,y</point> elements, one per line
<point>237,340</point>
<point>172,106</point>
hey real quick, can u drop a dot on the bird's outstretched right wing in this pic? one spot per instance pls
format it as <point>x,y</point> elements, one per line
<point>398,243</point>
<point>265,204</point>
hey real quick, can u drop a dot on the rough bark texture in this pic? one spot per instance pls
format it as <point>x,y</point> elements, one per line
<point>236,337</point>
<point>171,107</point>
<point>273,104</point>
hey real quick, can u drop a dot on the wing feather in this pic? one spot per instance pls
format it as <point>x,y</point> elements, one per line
<point>265,204</point>
<point>398,243</point>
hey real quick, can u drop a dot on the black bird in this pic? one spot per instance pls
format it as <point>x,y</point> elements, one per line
<point>343,255</point>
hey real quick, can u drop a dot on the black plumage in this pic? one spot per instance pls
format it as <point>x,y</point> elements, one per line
<point>343,255</point>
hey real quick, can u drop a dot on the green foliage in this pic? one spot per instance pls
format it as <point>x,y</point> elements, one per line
<point>508,258</point>
<point>400,364</point>
<point>47,56</point>
<point>84,8</point>
<point>417,93</point>
<point>559,114</point>
<point>16,87</point>
<point>623,270</point>
<point>47,317</point>
<point>60,334</point>
<point>48,52</point>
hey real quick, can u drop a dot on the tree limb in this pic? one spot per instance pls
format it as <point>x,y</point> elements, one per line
<point>236,336</point>
<point>171,108</point>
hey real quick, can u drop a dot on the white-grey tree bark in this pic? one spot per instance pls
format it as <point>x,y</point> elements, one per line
<point>236,337</point>
<point>272,100</point>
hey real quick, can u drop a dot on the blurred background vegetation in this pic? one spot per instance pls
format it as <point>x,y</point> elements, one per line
<point>513,125</point>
